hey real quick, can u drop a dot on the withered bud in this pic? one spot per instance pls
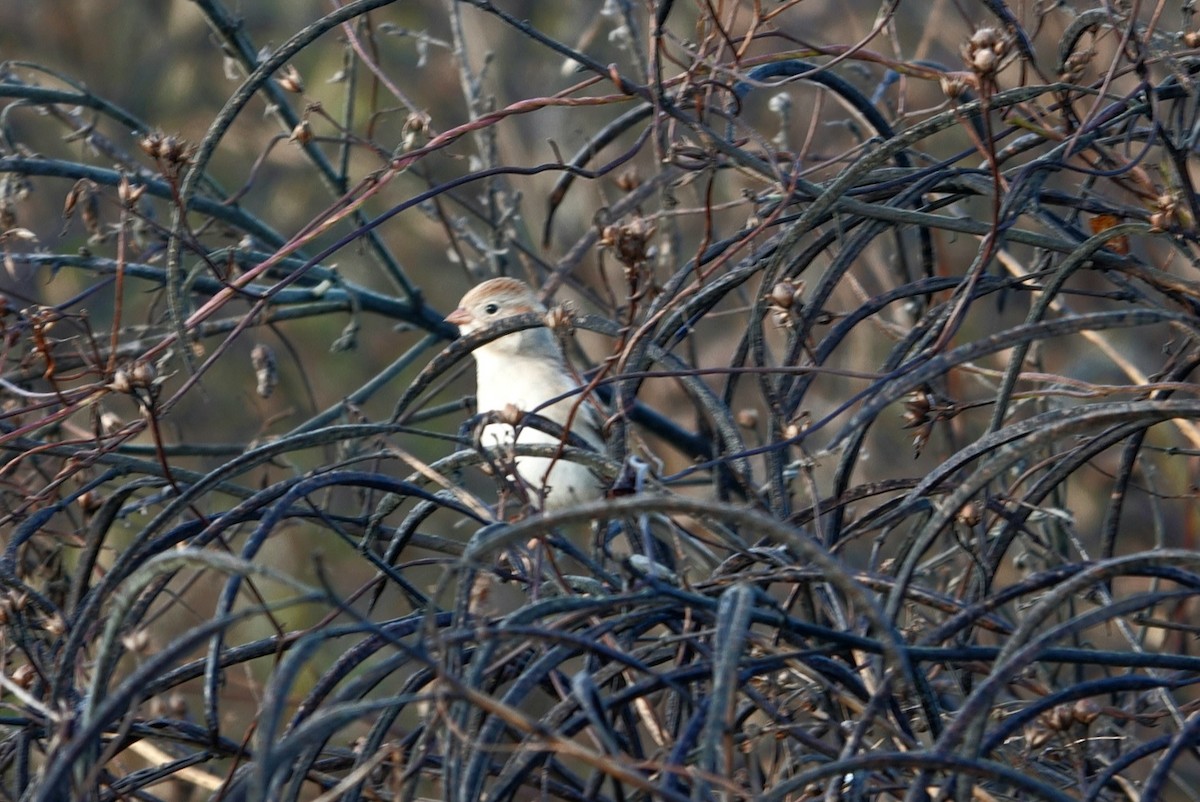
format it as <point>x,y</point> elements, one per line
<point>970,514</point>
<point>416,125</point>
<point>110,422</point>
<point>1060,718</point>
<point>121,382</point>
<point>985,37</point>
<point>984,51</point>
<point>629,180</point>
<point>137,641</point>
<point>984,61</point>
<point>129,193</point>
<point>747,418</point>
<point>1086,711</point>
<point>143,374</point>
<point>629,242</point>
<point>55,625</point>
<point>954,85</point>
<point>511,414</point>
<point>73,196</point>
<point>266,370</point>
<point>18,235</point>
<point>1037,734</point>
<point>151,144</point>
<point>23,676</point>
<point>917,409</point>
<point>171,148</point>
<point>18,600</point>
<point>796,427</point>
<point>290,80</point>
<point>561,319</point>
<point>302,133</point>
<point>177,705</point>
<point>89,502</point>
<point>90,212</point>
<point>174,150</point>
<point>1075,64</point>
<point>783,294</point>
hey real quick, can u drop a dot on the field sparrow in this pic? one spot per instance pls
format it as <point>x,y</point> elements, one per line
<point>527,369</point>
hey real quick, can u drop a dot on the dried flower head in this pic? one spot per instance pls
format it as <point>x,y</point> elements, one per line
<point>985,50</point>
<point>629,242</point>
<point>783,301</point>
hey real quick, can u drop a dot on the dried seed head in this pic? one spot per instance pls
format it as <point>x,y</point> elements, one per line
<point>290,80</point>
<point>89,502</point>
<point>151,144</point>
<point>561,319</point>
<point>919,414</point>
<point>137,641</point>
<point>917,409</point>
<point>970,514</point>
<point>1086,711</point>
<point>143,374</point>
<point>747,418</point>
<point>55,625</point>
<point>302,133</point>
<point>985,50</point>
<point>1072,69</point>
<point>110,422</point>
<point>511,414</point>
<point>986,37</point>
<point>629,180</point>
<point>984,62</point>
<point>416,125</point>
<point>121,382</point>
<point>954,85</point>
<point>1060,718</point>
<point>266,370</point>
<point>173,148</point>
<point>23,676</point>
<point>783,300</point>
<point>1037,734</point>
<point>72,199</point>
<point>177,706</point>
<point>18,600</point>
<point>783,294</point>
<point>17,235</point>
<point>129,193</point>
<point>629,242</point>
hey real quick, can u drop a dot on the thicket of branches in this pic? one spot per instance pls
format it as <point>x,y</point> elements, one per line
<point>896,322</point>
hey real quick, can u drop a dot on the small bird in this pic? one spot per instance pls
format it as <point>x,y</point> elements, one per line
<point>526,369</point>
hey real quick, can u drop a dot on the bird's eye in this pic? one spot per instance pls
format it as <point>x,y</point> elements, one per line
<point>492,309</point>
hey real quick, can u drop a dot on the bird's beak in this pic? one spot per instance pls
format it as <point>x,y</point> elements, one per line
<point>459,317</point>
